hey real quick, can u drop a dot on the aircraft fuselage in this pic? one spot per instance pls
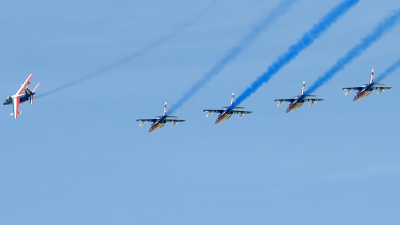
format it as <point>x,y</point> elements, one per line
<point>362,94</point>
<point>22,99</point>
<point>295,105</point>
<point>223,116</point>
<point>158,124</point>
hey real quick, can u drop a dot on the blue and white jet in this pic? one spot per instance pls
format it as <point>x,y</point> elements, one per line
<point>22,95</point>
<point>160,121</point>
<point>227,112</point>
<point>298,100</point>
<point>366,89</point>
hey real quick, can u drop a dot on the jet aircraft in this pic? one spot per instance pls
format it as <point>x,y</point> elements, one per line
<point>366,89</point>
<point>298,100</point>
<point>160,121</point>
<point>22,95</point>
<point>227,112</point>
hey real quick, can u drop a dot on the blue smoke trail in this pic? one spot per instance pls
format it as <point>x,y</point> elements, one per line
<point>306,40</point>
<point>371,38</point>
<point>132,56</point>
<point>388,71</point>
<point>262,25</point>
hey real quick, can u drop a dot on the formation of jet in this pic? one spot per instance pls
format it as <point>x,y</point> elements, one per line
<point>298,100</point>
<point>23,94</point>
<point>366,89</point>
<point>227,112</point>
<point>160,121</point>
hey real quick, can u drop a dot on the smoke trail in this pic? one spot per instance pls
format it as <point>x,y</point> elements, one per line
<point>388,71</point>
<point>306,40</point>
<point>371,38</point>
<point>262,25</point>
<point>50,64</point>
<point>132,56</point>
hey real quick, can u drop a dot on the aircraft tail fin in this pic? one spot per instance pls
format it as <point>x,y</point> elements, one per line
<point>33,94</point>
<point>303,89</point>
<point>371,80</point>
<point>233,98</point>
<point>165,109</point>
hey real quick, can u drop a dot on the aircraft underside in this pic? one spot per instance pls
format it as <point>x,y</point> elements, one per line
<point>156,127</point>
<point>294,106</point>
<point>223,117</point>
<point>362,95</point>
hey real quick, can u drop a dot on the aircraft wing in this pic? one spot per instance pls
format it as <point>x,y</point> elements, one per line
<point>16,103</point>
<point>313,99</point>
<point>146,120</point>
<point>172,120</point>
<point>241,112</point>
<point>285,100</point>
<point>23,86</point>
<point>214,110</point>
<point>381,88</point>
<point>352,88</point>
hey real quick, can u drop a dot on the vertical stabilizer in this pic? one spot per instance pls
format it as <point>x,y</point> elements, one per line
<point>165,109</point>
<point>371,80</point>
<point>303,90</point>
<point>233,98</point>
<point>33,93</point>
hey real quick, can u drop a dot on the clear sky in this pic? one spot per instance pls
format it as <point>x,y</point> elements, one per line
<point>78,156</point>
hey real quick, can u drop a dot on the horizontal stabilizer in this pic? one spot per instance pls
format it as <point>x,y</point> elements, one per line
<point>166,117</point>
<point>310,96</point>
<point>237,107</point>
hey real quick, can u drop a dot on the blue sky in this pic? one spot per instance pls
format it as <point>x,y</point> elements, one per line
<point>77,156</point>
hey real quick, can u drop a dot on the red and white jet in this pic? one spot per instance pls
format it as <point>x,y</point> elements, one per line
<point>160,121</point>
<point>227,112</point>
<point>23,94</point>
<point>299,100</point>
<point>366,89</point>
